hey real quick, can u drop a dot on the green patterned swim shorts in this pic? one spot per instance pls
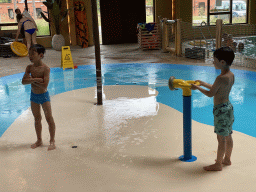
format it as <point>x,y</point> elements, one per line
<point>223,118</point>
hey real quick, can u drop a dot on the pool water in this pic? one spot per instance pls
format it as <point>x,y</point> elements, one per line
<point>15,97</point>
<point>249,45</point>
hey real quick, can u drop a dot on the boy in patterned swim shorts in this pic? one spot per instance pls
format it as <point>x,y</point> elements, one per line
<point>39,80</point>
<point>223,109</point>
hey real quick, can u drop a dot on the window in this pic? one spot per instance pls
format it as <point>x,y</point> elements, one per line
<point>7,15</point>
<point>202,5</point>
<point>149,11</point>
<point>220,9</point>
<point>23,1</point>
<point>38,13</point>
<point>10,13</point>
<point>5,1</point>
<point>201,9</point>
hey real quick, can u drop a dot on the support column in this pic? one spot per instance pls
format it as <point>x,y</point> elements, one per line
<point>34,9</point>
<point>97,51</point>
<point>71,24</point>
<point>178,48</point>
<point>218,33</point>
<point>165,35</point>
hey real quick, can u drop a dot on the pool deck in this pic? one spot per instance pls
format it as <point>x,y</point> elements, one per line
<point>130,143</point>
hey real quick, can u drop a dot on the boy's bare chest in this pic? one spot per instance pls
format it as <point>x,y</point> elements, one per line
<point>37,72</point>
<point>223,92</point>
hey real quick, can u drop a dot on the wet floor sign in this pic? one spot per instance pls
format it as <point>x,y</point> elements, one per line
<point>66,58</point>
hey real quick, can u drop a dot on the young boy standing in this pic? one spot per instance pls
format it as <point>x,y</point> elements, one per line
<point>223,110</point>
<point>39,80</point>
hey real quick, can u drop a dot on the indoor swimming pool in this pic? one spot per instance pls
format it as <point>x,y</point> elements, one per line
<point>15,97</point>
<point>249,45</point>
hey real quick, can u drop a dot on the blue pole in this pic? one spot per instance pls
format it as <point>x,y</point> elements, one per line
<point>187,121</point>
<point>187,127</point>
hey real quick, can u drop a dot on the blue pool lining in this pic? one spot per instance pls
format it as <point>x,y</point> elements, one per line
<point>251,75</point>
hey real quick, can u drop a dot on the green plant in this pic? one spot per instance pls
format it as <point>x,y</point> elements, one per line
<point>56,15</point>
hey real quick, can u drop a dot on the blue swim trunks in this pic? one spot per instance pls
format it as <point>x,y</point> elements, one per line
<point>40,98</point>
<point>223,118</point>
<point>31,31</point>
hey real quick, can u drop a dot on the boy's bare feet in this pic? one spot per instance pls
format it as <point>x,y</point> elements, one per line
<point>52,146</point>
<point>225,162</point>
<point>214,167</point>
<point>37,144</point>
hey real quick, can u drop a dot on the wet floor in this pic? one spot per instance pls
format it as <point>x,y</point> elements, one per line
<point>130,143</point>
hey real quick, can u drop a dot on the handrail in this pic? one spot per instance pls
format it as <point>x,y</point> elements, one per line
<point>209,32</point>
<point>8,24</point>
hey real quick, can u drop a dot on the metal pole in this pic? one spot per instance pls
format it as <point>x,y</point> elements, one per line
<point>15,6</point>
<point>34,10</point>
<point>97,51</point>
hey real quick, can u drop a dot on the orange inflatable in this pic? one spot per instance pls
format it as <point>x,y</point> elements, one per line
<point>19,49</point>
<point>81,23</point>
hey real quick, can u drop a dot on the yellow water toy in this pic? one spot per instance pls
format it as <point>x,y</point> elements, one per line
<point>180,83</point>
<point>19,49</point>
<point>197,42</point>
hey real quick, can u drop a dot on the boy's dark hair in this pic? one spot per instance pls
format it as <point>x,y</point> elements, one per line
<point>226,54</point>
<point>38,48</point>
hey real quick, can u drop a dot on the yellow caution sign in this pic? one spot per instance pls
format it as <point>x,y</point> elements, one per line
<point>66,58</point>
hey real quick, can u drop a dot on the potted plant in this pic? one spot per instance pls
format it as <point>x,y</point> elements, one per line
<point>55,18</point>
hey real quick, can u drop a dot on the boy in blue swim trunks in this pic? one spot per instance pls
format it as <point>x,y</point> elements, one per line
<point>223,109</point>
<point>38,75</point>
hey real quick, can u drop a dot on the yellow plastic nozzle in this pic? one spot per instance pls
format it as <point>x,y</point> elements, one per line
<point>184,85</point>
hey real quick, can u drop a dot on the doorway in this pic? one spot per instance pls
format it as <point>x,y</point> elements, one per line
<point>150,13</point>
<point>119,19</point>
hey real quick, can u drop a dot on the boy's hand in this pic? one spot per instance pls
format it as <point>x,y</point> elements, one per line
<point>201,82</point>
<point>194,87</point>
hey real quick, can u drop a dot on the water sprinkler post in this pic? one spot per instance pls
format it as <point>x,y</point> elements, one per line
<point>187,142</point>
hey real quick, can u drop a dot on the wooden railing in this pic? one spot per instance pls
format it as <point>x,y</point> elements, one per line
<point>7,31</point>
<point>8,24</point>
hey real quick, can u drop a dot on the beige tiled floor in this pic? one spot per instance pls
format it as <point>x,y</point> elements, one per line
<point>130,143</point>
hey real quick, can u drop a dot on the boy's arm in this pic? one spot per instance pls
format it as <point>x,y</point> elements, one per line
<point>207,85</point>
<point>202,83</point>
<point>26,76</point>
<point>213,90</point>
<point>46,79</point>
<point>27,79</point>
